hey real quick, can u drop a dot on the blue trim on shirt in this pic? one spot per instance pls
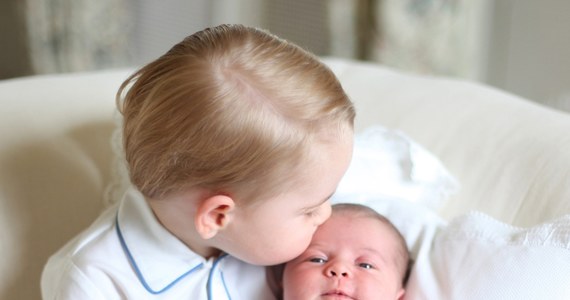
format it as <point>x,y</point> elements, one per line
<point>225,286</point>
<point>209,285</point>
<point>137,270</point>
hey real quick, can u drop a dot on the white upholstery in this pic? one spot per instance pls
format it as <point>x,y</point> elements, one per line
<point>511,156</point>
<point>55,162</point>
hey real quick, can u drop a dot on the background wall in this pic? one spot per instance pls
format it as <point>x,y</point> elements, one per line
<point>14,58</point>
<point>518,45</point>
<point>529,51</point>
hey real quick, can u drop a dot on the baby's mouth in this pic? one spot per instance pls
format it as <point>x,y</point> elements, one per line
<point>337,294</point>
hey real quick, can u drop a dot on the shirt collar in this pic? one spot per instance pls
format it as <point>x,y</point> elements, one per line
<point>159,258</point>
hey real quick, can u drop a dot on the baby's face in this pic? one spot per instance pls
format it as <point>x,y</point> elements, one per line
<point>348,258</point>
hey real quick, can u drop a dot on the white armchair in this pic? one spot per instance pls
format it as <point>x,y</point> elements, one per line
<point>511,156</point>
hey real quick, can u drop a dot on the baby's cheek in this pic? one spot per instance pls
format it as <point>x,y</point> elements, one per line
<point>372,287</point>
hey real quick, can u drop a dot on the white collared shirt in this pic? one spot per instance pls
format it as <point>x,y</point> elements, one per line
<point>127,254</point>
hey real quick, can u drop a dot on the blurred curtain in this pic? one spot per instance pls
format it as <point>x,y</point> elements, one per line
<point>300,21</point>
<point>14,61</point>
<point>77,35</point>
<point>344,34</point>
<point>431,36</point>
<point>444,37</point>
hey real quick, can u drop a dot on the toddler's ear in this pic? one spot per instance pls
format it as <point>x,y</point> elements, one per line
<point>213,214</point>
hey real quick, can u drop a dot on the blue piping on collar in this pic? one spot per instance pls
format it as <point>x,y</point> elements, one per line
<point>209,285</point>
<point>137,270</point>
<point>225,286</point>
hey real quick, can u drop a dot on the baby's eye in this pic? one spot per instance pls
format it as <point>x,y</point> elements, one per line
<point>366,266</point>
<point>318,260</point>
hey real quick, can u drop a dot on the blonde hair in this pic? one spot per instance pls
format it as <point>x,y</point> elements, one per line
<point>230,109</point>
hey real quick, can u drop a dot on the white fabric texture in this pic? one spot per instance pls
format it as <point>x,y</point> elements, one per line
<point>478,257</point>
<point>388,164</point>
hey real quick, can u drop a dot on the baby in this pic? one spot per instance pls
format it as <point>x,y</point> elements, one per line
<point>356,254</point>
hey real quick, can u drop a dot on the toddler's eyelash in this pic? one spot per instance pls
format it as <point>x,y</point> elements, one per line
<point>312,213</point>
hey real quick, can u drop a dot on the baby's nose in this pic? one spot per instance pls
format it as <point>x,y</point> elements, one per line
<point>337,270</point>
<point>334,273</point>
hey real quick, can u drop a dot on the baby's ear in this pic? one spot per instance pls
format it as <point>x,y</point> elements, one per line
<point>213,214</point>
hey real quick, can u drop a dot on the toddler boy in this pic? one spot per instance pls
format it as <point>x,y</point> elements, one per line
<point>233,138</point>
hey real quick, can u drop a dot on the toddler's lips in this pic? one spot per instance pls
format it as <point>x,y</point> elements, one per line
<point>336,294</point>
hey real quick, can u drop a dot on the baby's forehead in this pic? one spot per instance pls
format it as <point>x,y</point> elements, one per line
<point>376,226</point>
<point>351,215</point>
<point>363,224</point>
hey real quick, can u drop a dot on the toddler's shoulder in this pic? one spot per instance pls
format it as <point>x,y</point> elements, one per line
<point>71,273</point>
